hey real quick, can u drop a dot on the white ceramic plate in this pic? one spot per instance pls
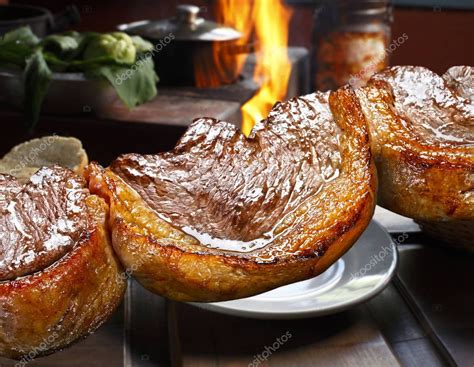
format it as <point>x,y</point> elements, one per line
<point>360,274</point>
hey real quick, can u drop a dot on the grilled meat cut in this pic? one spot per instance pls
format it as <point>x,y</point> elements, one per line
<point>40,221</point>
<point>422,133</point>
<point>59,278</point>
<point>224,216</point>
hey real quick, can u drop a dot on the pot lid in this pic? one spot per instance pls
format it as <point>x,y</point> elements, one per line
<point>186,25</point>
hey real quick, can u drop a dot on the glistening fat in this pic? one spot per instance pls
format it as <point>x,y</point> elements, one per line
<point>223,216</point>
<point>59,277</point>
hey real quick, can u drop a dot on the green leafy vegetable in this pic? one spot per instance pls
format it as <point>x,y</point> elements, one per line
<point>117,45</point>
<point>37,78</point>
<point>62,46</point>
<point>79,37</point>
<point>16,46</point>
<point>135,85</point>
<point>115,57</point>
<point>14,54</point>
<point>22,35</point>
<point>141,45</point>
<point>69,46</point>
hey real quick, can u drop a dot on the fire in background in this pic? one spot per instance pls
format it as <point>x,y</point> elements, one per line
<point>264,23</point>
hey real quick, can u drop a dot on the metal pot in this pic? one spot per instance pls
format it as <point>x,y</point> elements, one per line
<point>190,50</point>
<point>40,20</point>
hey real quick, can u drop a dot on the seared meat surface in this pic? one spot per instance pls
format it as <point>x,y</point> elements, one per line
<point>435,111</point>
<point>225,216</point>
<point>59,277</point>
<point>422,136</point>
<point>219,185</point>
<point>40,221</point>
<point>461,80</point>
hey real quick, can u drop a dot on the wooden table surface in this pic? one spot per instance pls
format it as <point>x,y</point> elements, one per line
<point>425,317</point>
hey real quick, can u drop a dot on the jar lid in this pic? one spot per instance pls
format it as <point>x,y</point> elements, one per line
<point>353,10</point>
<point>364,7</point>
<point>186,25</point>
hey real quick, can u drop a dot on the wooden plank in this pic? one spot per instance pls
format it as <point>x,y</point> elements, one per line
<point>173,110</point>
<point>418,353</point>
<point>146,329</point>
<point>347,339</point>
<point>410,343</point>
<point>436,283</point>
<point>135,336</point>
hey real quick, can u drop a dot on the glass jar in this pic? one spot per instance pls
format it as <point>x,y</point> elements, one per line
<point>351,42</point>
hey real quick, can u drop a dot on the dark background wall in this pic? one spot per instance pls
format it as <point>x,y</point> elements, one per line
<point>437,38</point>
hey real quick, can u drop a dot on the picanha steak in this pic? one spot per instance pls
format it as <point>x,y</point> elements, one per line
<point>422,132</point>
<point>59,277</point>
<point>225,216</point>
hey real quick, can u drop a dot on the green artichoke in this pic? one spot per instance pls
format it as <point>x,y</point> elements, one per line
<point>116,45</point>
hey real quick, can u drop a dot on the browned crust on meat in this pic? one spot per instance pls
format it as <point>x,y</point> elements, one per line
<point>50,309</point>
<point>168,262</point>
<point>416,179</point>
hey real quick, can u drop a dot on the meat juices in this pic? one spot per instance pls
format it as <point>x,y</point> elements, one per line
<point>225,216</point>
<point>229,191</point>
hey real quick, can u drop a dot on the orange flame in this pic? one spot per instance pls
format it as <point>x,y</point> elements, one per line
<point>268,21</point>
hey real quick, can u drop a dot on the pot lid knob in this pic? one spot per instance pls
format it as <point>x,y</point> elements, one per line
<point>187,14</point>
<point>186,25</point>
